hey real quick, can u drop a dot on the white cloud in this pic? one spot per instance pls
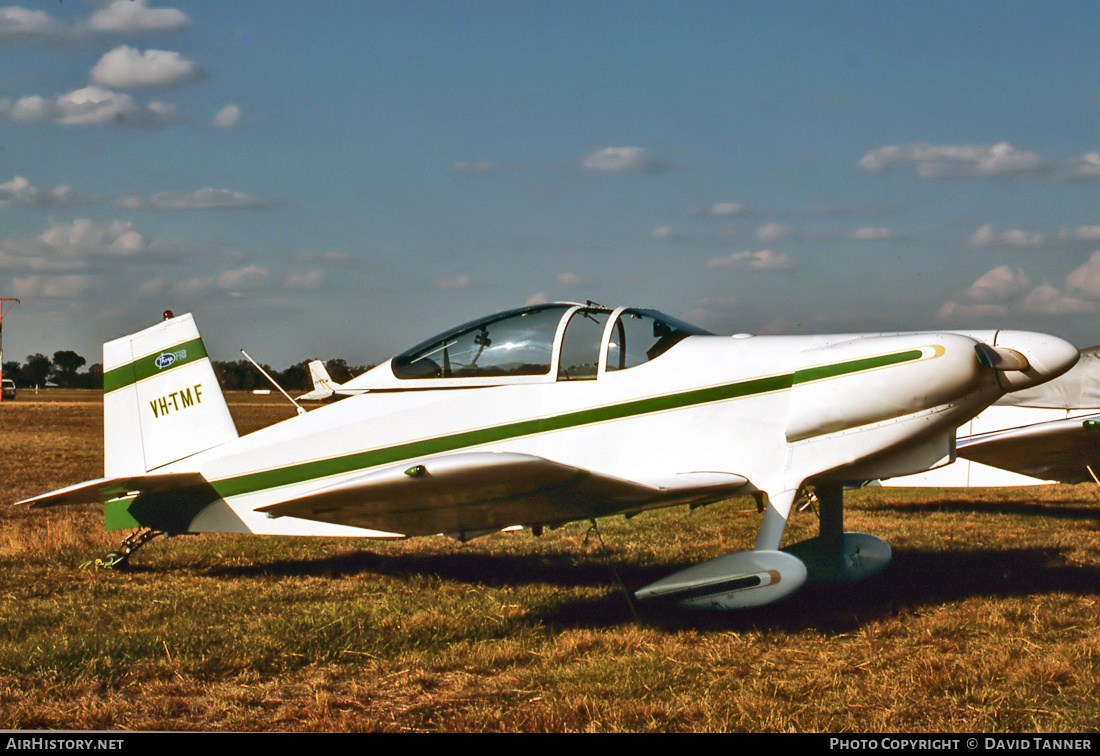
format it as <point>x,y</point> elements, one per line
<point>125,67</point>
<point>1002,284</point>
<point>92,106</point>
<point>951,309</point>
<point>1085,166</point>
<point>249,277</point>
<point>716,313</point>
<point>1081,233</point>
<point>20,192</point>
<point>151,288</point>
<point>1005,291</point>
<point>726,208</point>
<point>135,17</point>
<point>765,259</point>
<point>67,247</point>
<point>310,279</point>
<point>870,233</point>
<point>193,287</point>
<point>620,160</point>
<point>32,108</point>
<point>954,161</point>
<point>772,232</point>
<point>536,299</point>
<point>1016,237</point>
<point>86,238</point>
<point>983,237</point>
<point>663,233</point>
<point>18,22</point>
<point>569,279</point>
<point>1085,280</point>
<point>114,17</point>
<point>481,166</point>
<point>1047,300</point>
<point>206,198</point>
<point>454,282</point>
<point>52,287</point>
<point>227,118</point>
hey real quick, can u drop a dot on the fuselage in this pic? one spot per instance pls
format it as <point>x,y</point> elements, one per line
<point>775,411</point>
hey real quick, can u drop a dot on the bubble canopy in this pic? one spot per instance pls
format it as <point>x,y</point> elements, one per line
<point>525,341</point>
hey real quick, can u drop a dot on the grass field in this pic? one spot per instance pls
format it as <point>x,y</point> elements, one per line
<point>988,619</point>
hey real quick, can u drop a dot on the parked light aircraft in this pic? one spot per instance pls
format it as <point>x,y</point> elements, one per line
<point>1046,434</point>
<point>559,412</point>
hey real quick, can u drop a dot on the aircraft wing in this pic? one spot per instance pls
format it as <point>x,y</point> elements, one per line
<point>1061,450</point>
<point>469,494</point>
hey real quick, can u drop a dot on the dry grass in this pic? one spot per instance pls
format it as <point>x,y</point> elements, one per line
<point>986,621</point>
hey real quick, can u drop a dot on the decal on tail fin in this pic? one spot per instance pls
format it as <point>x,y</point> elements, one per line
<point>161,399</point>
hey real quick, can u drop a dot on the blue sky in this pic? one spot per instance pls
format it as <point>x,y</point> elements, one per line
<point>343,179</point>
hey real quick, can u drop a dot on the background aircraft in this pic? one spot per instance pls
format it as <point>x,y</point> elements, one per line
<point>553,413</point>
<point>323,385</point>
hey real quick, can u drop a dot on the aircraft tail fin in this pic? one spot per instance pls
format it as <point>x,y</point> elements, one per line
<point>161,400</point>
<point>320,376</point>
<point>323,385</point>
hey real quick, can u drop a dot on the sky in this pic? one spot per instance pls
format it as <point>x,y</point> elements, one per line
<point>344,179</point>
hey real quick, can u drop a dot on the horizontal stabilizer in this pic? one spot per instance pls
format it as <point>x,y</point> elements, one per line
<point>165,501</point>
<point>105,489</point>
<point>481,492</point>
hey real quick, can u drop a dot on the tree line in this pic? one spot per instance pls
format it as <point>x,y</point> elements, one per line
<point>64,371</point>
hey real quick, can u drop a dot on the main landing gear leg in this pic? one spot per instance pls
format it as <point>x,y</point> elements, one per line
<point>835,556</point>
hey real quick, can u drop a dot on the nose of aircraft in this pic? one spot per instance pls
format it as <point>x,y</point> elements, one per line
<point>1047,358</point>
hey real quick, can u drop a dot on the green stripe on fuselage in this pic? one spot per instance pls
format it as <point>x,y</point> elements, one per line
<point>291,474</point>
<point>806,375</point>
<point>146,367</point>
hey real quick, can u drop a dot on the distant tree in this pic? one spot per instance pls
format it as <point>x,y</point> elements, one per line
<point>36,370</point>
<point>14,372</point>
<point>242,375</point>
<point>295,378</point>
<point>65,364</point>
<point>93,379</point>
<point>338,370</point>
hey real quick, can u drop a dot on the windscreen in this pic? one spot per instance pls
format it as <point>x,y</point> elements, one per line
<point>513,343</point>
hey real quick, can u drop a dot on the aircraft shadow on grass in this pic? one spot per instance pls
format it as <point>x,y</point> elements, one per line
<point>917,579</point>
<point>1083,510</point>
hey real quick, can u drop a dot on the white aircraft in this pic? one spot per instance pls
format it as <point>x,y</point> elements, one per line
<point>1046,434</point>
<point>553,413</point>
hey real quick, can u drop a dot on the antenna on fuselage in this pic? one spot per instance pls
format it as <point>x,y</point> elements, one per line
<point>273,383</point>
